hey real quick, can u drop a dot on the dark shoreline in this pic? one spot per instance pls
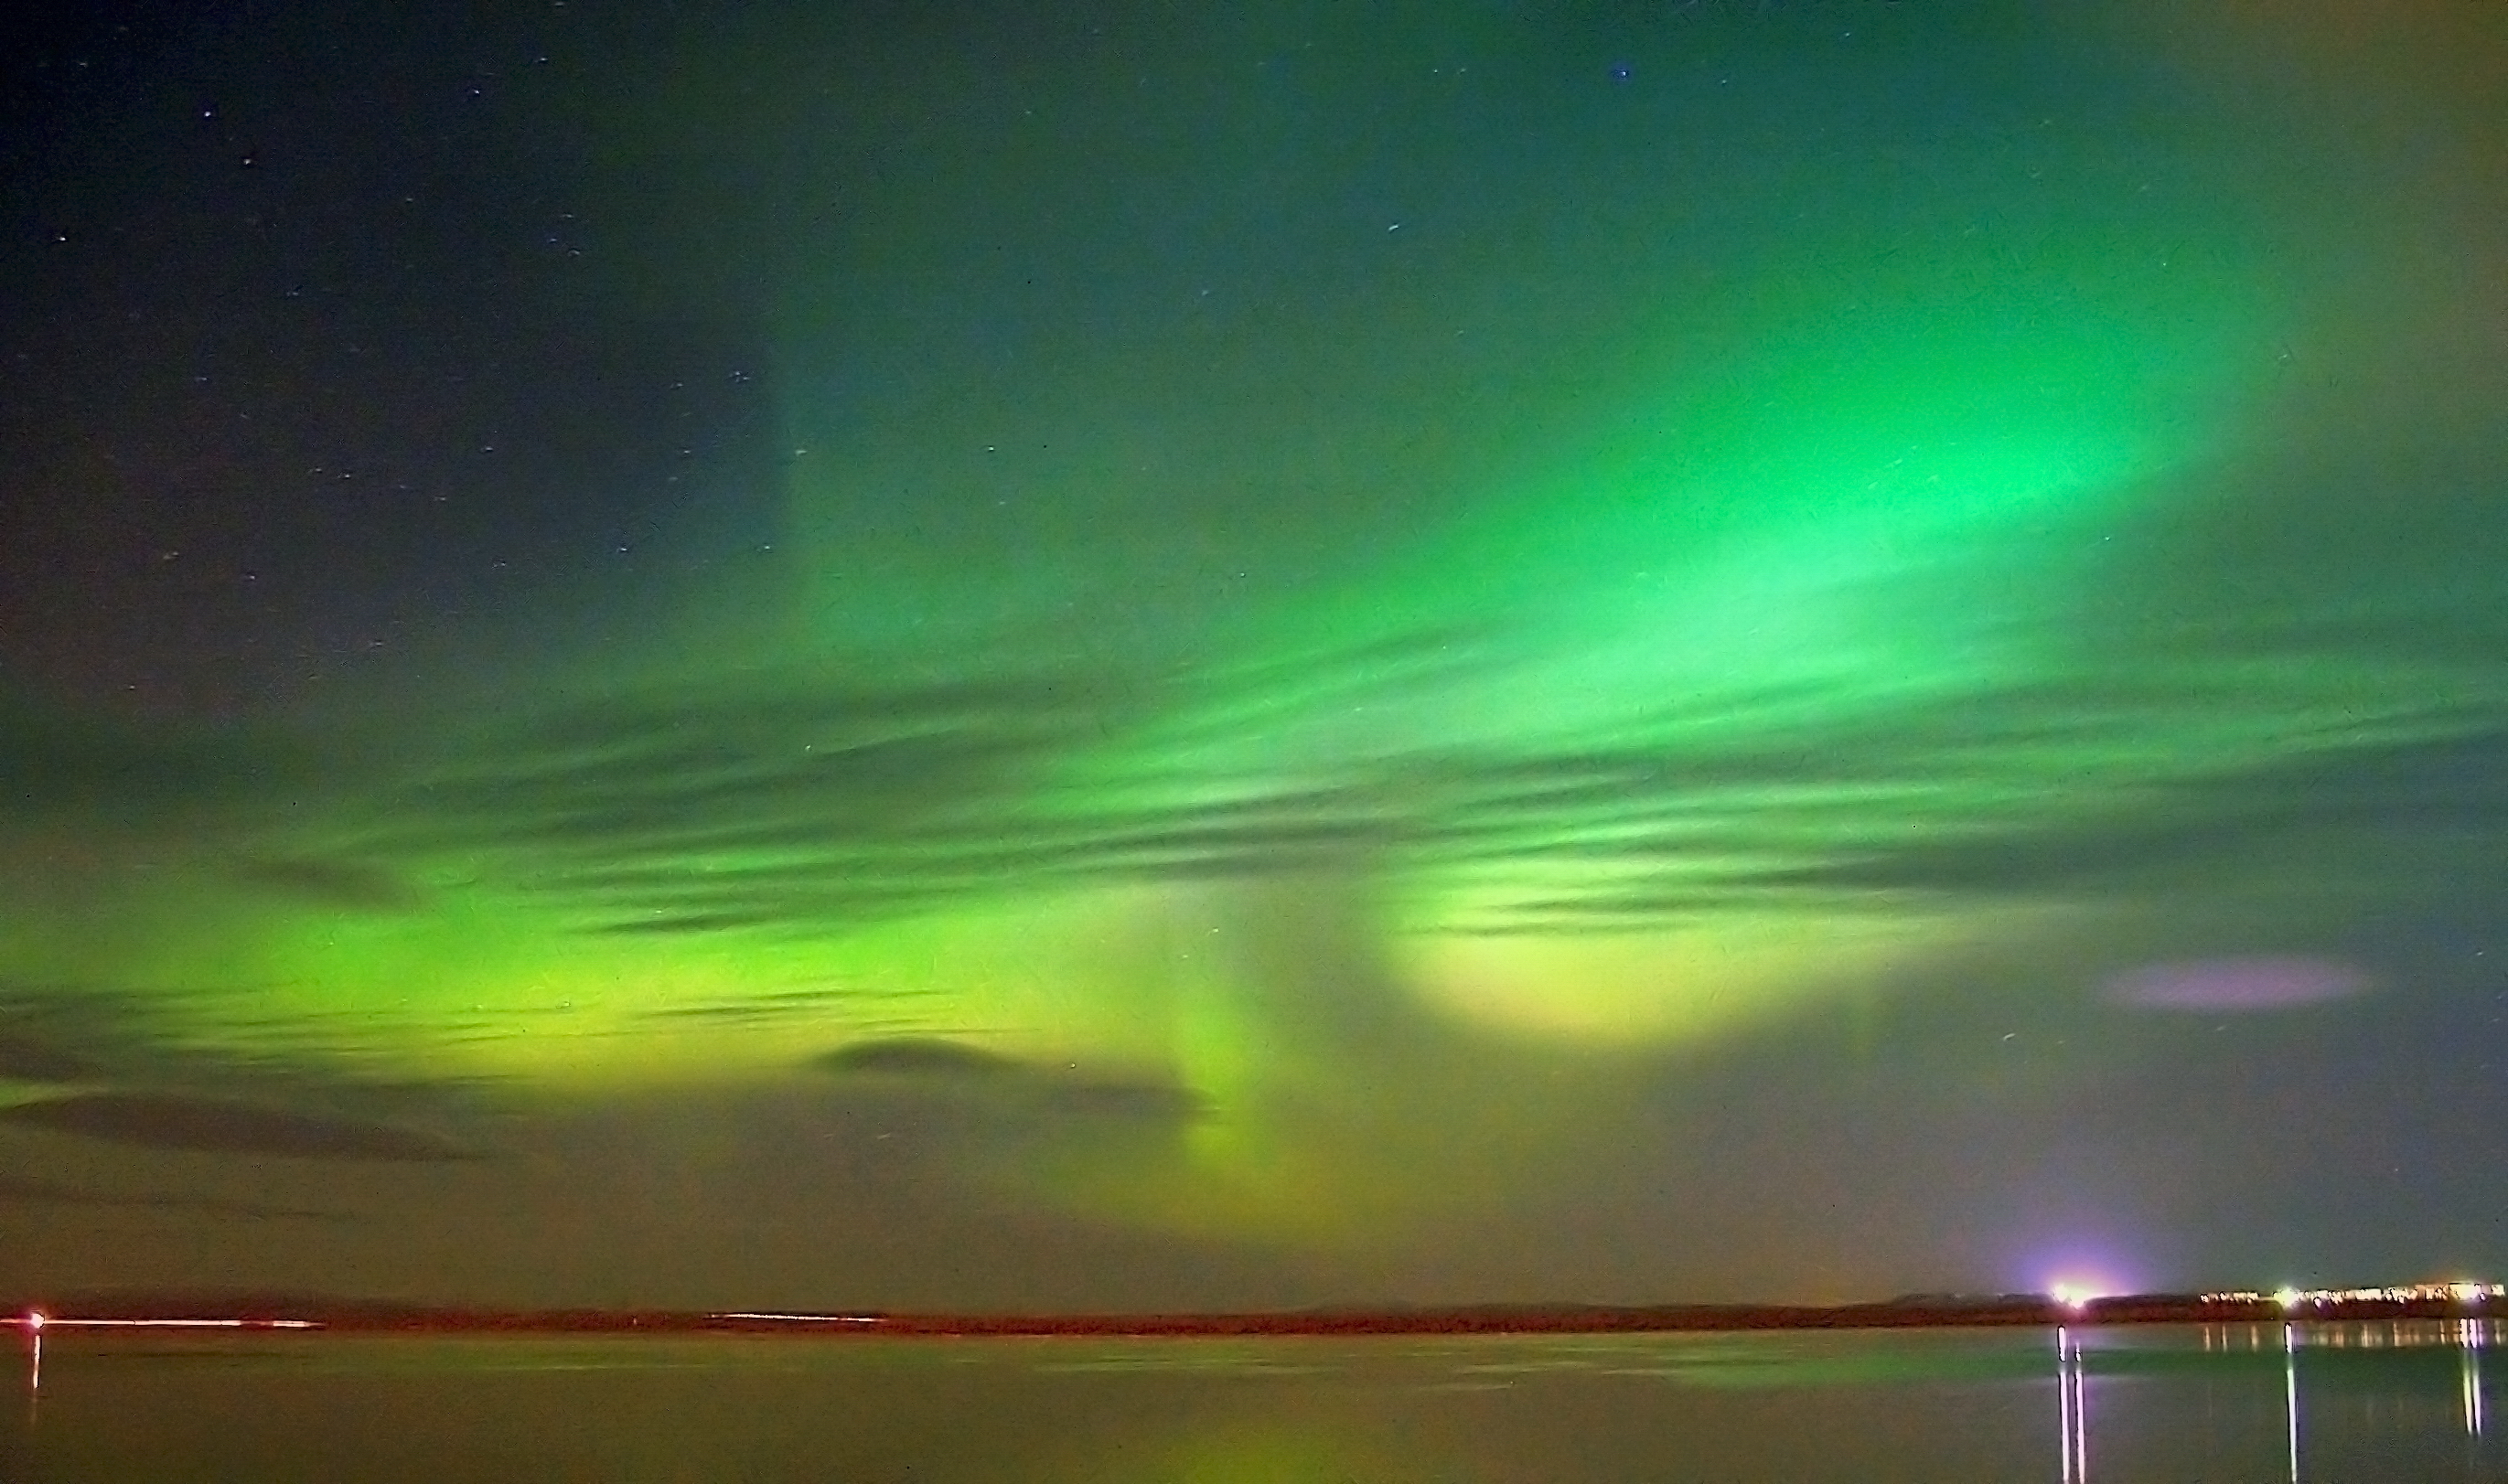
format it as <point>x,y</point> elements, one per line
<point>256,1312</point>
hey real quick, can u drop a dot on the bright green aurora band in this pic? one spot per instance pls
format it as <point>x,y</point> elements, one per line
<point>1297,669</point>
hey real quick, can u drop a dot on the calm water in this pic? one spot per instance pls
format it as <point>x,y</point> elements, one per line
<point>2348,1402</point>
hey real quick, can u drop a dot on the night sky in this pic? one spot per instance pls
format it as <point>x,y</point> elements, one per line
<point>1159,654</point>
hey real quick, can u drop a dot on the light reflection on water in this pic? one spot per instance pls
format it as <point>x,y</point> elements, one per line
<point>2263,1402</point>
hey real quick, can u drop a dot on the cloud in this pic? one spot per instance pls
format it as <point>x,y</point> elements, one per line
<point>347,884</point>
<point>12,1188</point>
<point>2256,983</point>
<point>167,1121</point>
<point>792,802</point>
<point>920,1058</point>
<point>127,773</point>
<point>933,1063</point>
<point>32,1058</point>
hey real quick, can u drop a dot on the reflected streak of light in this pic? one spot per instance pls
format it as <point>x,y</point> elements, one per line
<point>2469,1373</point>
<point>2290,1392</point>
<point>2072,1402</point>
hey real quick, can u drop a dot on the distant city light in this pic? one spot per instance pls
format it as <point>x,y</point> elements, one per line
<point>2291,1298</point>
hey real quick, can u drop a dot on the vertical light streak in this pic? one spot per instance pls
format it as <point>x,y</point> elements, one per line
<point>33,1324</point>
<point>2290,1392</point>
<point>2080,1415</point>
<point>2072,1408</point>
<point>2063,1405</point>
<point>2468,1361</point>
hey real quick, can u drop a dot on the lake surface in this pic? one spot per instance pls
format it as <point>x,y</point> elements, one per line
<point>2217,1404</point>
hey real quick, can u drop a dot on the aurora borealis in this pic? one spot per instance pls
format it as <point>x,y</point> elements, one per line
<point>1173,655</point>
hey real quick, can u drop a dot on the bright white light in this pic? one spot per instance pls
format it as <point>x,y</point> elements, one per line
<point>2075,1296</point>
<point>2286,1296</point>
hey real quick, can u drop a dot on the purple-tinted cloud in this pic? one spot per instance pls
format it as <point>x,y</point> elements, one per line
<point>2258,983</point>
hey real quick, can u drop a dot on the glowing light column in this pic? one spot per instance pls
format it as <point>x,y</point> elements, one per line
<point>2073,1409</point>
<point>2468,1358</point>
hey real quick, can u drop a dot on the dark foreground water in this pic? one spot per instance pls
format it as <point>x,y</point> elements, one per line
<point>2355,1403</point>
